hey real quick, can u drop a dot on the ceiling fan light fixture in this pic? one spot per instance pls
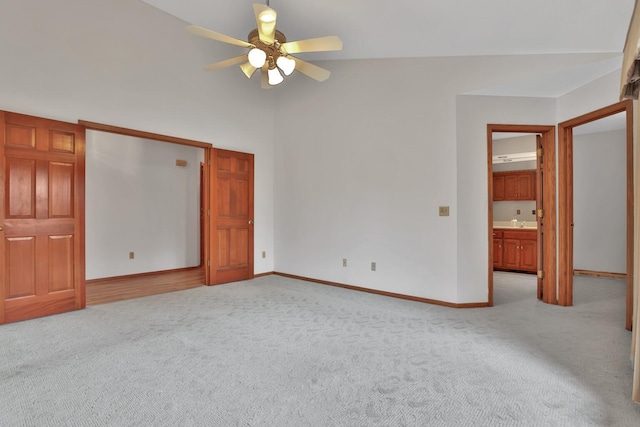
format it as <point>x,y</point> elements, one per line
<point>257,57</point>
<point>287,65</point>
<point>267,16</point>
<point>269,52</point>
<point>275,78</point>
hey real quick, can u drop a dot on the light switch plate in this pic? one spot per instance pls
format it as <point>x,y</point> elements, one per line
<point>444,210</point>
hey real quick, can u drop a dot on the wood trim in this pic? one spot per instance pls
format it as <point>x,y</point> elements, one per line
<point>490,267</point>
<point>204,233</point>
<point>549,203</point>
<point>138,275</point>
<point>3,136</point>
<point>599,274</point>
<point>630,215</point>
<point>270,273</point>
<point>142,134</point>
<point>565,197</point>
<point>384,293</point>
<point>565,235</point>
<point>80,243</point>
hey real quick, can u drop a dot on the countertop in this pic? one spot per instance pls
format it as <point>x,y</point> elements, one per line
<point>528,225</point>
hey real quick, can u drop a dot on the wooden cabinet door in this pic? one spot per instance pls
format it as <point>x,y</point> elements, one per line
<point>510,187</point>
<point>498,187</point>
<point>42,213</point>
<point>511,253</point>
<point>528,255</point>
<point>232,223</point>
<point>497,253</point>
<point>524,186</point>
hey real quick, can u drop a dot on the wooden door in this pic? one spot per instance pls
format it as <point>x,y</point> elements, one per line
<point>202,204</point>
<point>232,216</point>
<point>42,213</point>
<point>539,209</point>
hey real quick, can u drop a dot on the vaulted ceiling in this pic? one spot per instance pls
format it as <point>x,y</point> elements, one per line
<point>420,28</point>
<point>427,28</point>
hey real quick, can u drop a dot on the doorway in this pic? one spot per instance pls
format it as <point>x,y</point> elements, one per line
<point>546,224</point>
<point>566,201</point>
<point>182,177</point>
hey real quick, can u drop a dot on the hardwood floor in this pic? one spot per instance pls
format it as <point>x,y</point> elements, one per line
<point>100,291</point>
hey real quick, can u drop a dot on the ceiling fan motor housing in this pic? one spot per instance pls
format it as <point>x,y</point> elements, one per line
<point>272,50</point>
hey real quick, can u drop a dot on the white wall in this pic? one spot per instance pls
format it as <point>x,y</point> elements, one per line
<point>364,160</point>
<point>599,201</point>
<point>138,200</point>
<point>474,113</point>
<point>590,97</point>
<point>124,63</point>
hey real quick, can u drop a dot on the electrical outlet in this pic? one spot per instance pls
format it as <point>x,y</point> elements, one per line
<point>344,262</point>
<point>443,210</point>
<point>264,254</point>
<point>373,266</point>
<point>533,211</point>
<point>518,212</point>
<point>131,255</point>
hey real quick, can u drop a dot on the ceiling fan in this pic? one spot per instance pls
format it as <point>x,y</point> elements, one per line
<point>270,51</point>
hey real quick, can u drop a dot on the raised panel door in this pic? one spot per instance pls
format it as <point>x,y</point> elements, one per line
<point>497,253</point>
<point>510,187</point>
<point>42,217</point>
<point>525,187</point>
<point>511,253</point>
<point>528,258</point>
<point>232,222</point>
<point>498,187</point>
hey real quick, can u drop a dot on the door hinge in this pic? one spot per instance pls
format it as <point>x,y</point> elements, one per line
<point>540,213</point>
<point>208,263</point>
<point>540,274</point>
<point>539,152</point>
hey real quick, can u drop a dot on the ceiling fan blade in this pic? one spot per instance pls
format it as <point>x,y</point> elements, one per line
<point>248,69</point>
<point>266,22</point>
<point>320,44</point>
<point>313,71</point>
<point>226,63</point>
<point>194,29</point>
<point>265,77</point>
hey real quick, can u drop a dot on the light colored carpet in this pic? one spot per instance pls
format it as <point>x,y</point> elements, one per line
<point>281,352</point>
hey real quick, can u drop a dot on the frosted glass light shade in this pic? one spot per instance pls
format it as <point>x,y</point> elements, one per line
<point>257,57</point>
<point>275,78</point>
<point>267,16</point>
<point>287,65</point>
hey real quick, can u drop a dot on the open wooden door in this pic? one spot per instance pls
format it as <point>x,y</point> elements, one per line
<point>539,216</point>
<point>565,197</point>
<point>42,216</point>
<point>231,217</point>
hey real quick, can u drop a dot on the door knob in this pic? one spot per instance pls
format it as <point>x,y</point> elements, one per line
<point>250,222</point>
